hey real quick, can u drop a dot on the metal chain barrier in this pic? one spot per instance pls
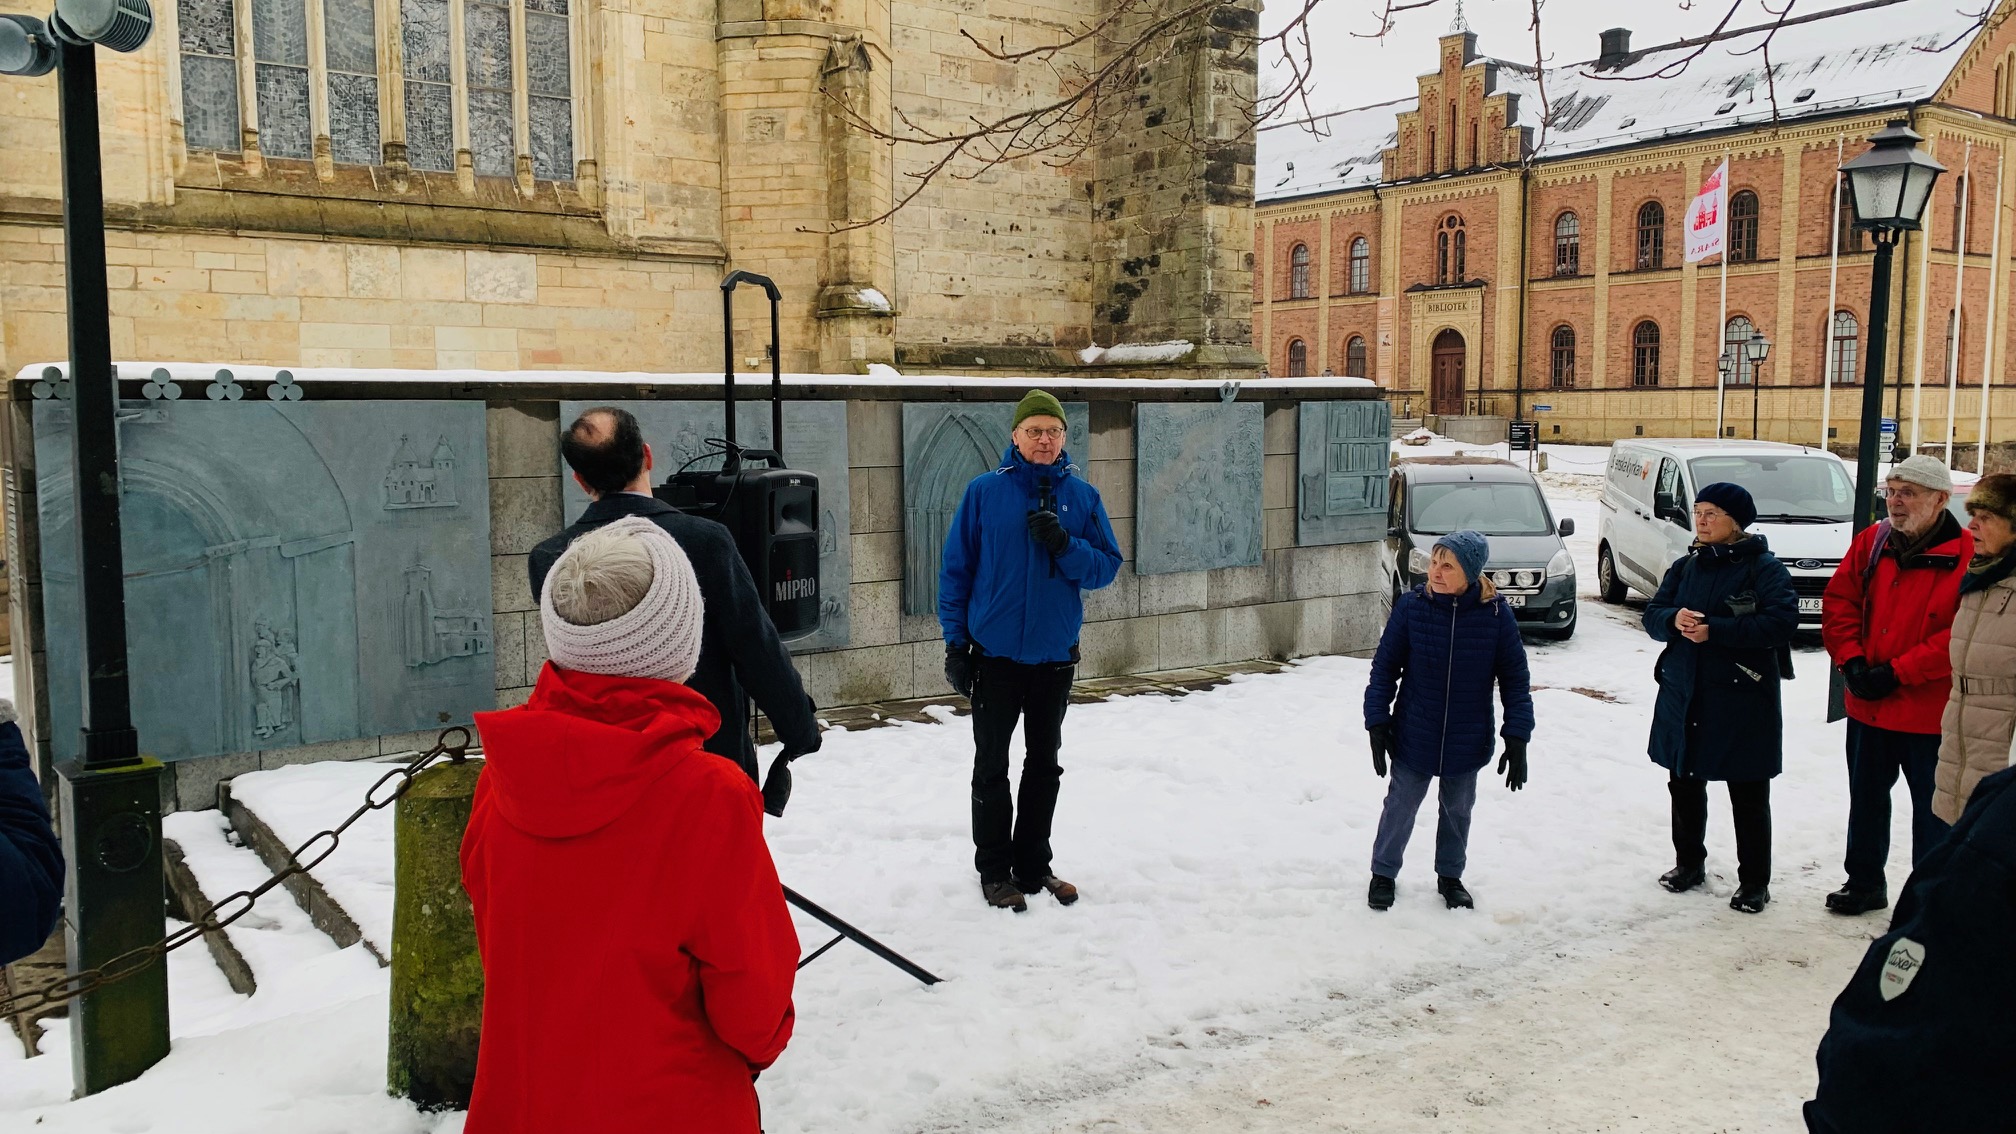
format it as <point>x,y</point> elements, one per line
<point>134,961</point>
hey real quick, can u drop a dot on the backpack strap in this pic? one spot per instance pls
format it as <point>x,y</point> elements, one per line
<point>1876,551</point>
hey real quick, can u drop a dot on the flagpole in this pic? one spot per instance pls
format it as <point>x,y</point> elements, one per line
<point>1918,356</point>
<point>1722,319</point>
<point>1827,324</point>
<point>1988,342</point>
<point>1956,335</point>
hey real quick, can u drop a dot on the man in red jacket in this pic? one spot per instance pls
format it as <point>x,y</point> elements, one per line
<point>637,953</point>
<point>1886,619</point>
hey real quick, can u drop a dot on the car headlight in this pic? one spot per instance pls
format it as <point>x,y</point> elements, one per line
<point>1562,564</point>
<point>1417,562</point>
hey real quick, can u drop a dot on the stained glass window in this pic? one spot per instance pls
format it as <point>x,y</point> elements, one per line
<point>430,101</point>
<point>280,46</point>
<point>486,33</point>
<point>549,76</point>
<point>209,42</point>
<point>351,37</point>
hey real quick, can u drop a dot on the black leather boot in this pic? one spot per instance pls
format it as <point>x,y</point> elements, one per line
<point>1681,879</point>
<point>1380,896</point>
<point>1453,894</point>
<point>1854,903</point>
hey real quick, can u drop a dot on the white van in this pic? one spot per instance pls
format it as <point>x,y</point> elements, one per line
<point>1805,499</point>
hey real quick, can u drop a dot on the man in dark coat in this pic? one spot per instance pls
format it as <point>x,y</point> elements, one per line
<point>1724,611</point>
<point>31,858</point>
<point>1028,539</point>
<point>739,647</point>
<point>1428,705</point>
<point>1923,1039</point>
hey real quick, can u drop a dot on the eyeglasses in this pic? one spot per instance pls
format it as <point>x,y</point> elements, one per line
<point>1043,433</point>
<point>1708,513</point>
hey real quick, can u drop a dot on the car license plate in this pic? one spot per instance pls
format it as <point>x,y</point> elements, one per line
<point>1809,606</point>
<point>1516,600</point>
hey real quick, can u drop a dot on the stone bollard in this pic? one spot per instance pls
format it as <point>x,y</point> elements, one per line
<point>437,975</point>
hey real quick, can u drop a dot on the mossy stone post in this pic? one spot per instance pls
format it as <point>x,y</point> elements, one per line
<point>437,975</point>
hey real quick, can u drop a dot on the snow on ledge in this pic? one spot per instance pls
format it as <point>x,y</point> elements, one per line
<point>196,375</point>
<point>1135,354</point>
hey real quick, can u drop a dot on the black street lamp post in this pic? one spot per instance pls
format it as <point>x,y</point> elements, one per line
<point>109,795</point>
<point>1889,186</point>
<point>1756,350</point>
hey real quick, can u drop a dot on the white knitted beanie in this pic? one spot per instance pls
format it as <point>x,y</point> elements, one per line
<point>659,637</point>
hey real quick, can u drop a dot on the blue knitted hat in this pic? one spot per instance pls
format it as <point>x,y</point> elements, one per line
<point>1731,498</point>
<point>1471,550</point>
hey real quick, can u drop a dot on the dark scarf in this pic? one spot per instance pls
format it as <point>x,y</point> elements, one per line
<point>1906,549</point>
<point>1734,549</point>
<point>1985,572</point>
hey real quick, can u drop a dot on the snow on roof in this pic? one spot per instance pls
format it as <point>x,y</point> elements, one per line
<point>196,377</point>
<point>1852,62</point>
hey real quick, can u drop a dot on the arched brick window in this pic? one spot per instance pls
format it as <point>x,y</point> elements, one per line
<point>1645,354</point>
<point>1843,339</point>
<point>1449,250</point>
<point>1739,331</point>
<point>1743,213</point>
<point>1851,237</point>
<point>1361,265</point>
<point>1298,359</point>
<point>1298,272</point>
<point>1567,245</point>
<point>1561,361</point>
<point>1354,357</point>
<point>1651,235</point>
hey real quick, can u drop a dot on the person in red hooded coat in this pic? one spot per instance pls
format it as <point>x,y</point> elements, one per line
<point>637,953</point>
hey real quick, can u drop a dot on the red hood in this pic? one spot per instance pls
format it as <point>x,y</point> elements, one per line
<point>586,745</point>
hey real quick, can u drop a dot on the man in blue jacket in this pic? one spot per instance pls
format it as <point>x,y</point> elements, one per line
<point>31,858</point>
<point>1028,538</point>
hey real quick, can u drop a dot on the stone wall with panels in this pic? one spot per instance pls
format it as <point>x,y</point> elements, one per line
<point>1292,601</point>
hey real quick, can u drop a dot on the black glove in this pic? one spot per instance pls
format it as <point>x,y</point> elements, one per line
<point>960,668</point>
<point>1381,736</point>
<point>1045,528</point>
<point>1513,763</point>
<point>1878,682</point>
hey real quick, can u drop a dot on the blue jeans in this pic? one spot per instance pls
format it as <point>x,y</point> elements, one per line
<point>1875,756</point>
<point>1404,793</point>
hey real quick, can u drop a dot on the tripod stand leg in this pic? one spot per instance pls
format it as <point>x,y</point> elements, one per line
<point>858,937</point>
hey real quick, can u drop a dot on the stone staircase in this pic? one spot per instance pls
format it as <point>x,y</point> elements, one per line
<point>1402,426</point>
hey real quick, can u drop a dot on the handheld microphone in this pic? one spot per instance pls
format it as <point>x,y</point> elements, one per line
<point>1044,500</point>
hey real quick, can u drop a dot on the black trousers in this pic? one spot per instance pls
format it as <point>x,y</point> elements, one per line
<point>1750,801</point>
<point>1011,838</point>
<point>1875,757</point>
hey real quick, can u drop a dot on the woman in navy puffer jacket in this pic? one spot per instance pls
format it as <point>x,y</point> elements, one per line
<point>1445,644</point>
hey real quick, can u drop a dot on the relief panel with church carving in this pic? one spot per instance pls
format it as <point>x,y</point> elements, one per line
<point>296,572</point>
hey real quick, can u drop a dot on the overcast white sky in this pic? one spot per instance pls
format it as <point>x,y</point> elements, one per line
<point>1355,71</point>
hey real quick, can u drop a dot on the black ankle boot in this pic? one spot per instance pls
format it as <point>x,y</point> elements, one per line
<point>1681,879</point>
<point>1453,893</point>
<point>1380,896</point>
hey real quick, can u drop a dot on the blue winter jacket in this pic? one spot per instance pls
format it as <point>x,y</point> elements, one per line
<point>1442,653</point>
<point>31,859</point>
<point>998,588</point>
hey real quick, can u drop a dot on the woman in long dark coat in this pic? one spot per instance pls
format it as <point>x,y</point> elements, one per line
<point>1726,612</point>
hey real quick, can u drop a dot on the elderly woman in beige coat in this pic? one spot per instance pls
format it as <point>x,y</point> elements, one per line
<point>1981,711</point>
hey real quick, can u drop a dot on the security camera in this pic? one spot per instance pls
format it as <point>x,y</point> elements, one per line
<point>25,47</point>
<point>122,25</point>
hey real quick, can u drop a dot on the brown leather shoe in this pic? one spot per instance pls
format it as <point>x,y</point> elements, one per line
<point>1063,891</point>
<point>1004,896</point>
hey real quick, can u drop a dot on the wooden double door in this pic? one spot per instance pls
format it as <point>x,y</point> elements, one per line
<point>1445,374</point>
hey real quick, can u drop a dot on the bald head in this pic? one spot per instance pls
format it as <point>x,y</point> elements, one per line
<point>605,448</point>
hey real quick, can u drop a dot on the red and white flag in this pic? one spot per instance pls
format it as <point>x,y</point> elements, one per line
<point>1707,217</point>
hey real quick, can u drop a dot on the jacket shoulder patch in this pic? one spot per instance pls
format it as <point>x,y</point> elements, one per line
<point>1900,968</point>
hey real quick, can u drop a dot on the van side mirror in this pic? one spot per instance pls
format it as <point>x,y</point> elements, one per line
<point>1567,528</point>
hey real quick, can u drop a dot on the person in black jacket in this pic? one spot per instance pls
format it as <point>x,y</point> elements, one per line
<point>31,858</point>
<point>1922,1039</point>
<point>739,647</point>
<point>1726,612</point>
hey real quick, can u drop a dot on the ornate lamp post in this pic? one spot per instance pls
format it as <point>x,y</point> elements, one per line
<point>1756,351</point>
<point>110,795</point>
<point>1889,186</point>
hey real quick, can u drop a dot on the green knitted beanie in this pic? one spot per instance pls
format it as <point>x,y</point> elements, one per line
<point>1035,403</point>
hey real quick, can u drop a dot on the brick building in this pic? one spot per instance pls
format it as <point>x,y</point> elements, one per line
<point>545,184</point>
<point>1475,256</point>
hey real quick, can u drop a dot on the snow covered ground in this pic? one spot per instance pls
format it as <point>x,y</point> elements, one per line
<point>1222,971</point>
